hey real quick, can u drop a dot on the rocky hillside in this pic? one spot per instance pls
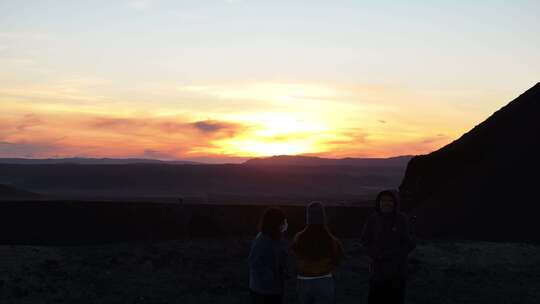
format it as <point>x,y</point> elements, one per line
<point>482,185</point>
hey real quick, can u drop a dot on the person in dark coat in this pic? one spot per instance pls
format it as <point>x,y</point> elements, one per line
<point>388,241</point>
<point>268,259</point>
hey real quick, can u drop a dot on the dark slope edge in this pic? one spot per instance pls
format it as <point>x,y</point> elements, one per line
<point>484,184</point>
<point>9,192</point>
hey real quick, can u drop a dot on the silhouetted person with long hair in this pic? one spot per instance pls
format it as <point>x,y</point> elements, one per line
<point>268,259</point>
<point>388,241</point>
<point>318,253</point>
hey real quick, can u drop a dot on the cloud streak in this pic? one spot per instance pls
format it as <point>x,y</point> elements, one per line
<point>205,128</point>
<point>32,135</point>
<point>28,121</point>
<point>247,120</point>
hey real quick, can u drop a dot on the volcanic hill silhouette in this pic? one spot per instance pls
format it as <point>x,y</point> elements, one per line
<point>484,184</point>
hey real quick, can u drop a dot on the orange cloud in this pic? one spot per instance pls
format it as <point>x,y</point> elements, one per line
<point>51,134</point>
<point>46,135</point>
<point>226,121</point>
<point>159,126</point>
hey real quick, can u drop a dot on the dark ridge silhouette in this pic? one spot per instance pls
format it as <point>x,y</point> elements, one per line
<point>92,161</point>
<point>8,192</point>
<point>133,180</point>
<point>484,184</point>
<point>290,160</point>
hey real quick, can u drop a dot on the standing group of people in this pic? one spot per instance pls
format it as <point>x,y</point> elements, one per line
<point>387,239</point>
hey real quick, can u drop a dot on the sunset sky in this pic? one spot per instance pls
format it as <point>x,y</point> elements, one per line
<point>221,81</point>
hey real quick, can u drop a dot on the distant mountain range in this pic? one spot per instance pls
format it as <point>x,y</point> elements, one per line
<point>287,160</point>
<point>281,160</point>
<point>485,184</point>
<point>92,161</point>
<point>282,177</point>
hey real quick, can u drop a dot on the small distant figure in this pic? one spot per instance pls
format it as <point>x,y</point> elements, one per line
<point>180,201</point>
<point>268,259</point>
<point>388,240</point>
<point>318,253</point>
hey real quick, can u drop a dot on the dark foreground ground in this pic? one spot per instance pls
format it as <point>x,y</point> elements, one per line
<point>215,271</point>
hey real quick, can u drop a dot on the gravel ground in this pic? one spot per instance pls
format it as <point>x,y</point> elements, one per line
<point>215,271</point>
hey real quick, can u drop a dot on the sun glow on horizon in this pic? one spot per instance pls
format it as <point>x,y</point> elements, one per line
<point>332,121</point>
<point>215,80</point>
<point>270,134</point>
<point>247,148</point>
